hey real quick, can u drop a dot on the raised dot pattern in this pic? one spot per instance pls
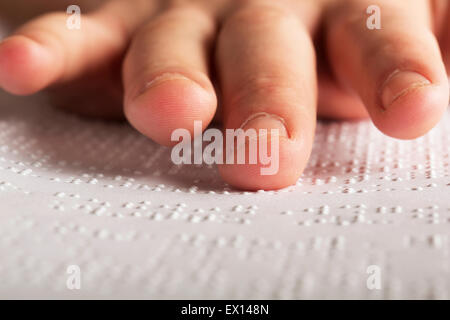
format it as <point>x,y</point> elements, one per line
<point>101,196</point>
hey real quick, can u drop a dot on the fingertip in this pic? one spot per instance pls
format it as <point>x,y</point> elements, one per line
<point>25,65</point>
<point>291,163</point>
<point>281,155</point>
<point>168,103</point>
<point>415,112</point>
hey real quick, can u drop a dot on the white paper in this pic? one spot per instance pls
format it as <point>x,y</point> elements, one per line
<point>100,196</point>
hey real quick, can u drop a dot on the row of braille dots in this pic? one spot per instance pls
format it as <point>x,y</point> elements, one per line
<point>164,212</point>
<point>368,189</point>
<point>421,188</point>
<point>319,181</point>
<point>430,171</point>
<point>225,190</point>
<point>15,228</point>
<point>326,166</point>
<point>64,163</point>
<point>358,211</point>
<point>22,171</point>
<point>6,186</point>
<point>180,207</point>
<point>366,177</point>
<point>345,189</point>
<point>35,272</point>
<point>200,239</point>
<point>238,241</point>
<point>94,206</point>
<point>436,241</point>
<point>431,214</point>
<point>178,212</point>
<point>259,249</point>
<point>128,183</point>
<point>99,233</point>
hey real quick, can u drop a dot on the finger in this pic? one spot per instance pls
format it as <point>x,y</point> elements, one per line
<point>397,70</point>
<point>445,37</point>
<point>334,101</point>
<point>166,74</point>
<point>267,72</point>
<point>45,50</point>
<point>337,103</point>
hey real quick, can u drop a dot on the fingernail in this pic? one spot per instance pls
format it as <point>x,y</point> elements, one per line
<point>168,76</point>
<point>400,83</point>
<point>266,121</point>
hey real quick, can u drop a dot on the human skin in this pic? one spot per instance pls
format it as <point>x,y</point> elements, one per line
<point>164,64</point>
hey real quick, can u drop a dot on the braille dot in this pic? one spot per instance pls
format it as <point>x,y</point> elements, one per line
<point>397,209</point>
<point>157,216</point>
<point>325,210</point>
<point>237,208</point>
<point>128,205</point>
<point>99,211</point>
<point>175,215</point>
<point>102,234</point>
<point>195,219</point>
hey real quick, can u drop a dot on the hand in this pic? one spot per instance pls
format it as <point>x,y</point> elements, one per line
<point>263,54</point>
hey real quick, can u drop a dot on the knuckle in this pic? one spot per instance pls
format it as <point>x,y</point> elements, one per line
<point>260,13</point>
<point>173,17</point>
<point>275,87</point>
<point>194,7</point>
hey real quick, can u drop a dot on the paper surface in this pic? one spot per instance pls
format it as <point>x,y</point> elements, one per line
<point>100,196</point>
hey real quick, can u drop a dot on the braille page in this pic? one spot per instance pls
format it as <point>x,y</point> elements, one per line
<point>369,218</point>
